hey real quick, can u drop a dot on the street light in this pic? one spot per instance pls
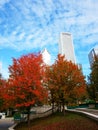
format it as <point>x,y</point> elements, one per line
<point>96,97</point>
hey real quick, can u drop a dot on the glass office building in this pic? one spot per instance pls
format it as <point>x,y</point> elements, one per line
<point>92,54</point>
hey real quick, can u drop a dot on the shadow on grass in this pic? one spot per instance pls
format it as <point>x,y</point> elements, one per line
<point>71,121</point>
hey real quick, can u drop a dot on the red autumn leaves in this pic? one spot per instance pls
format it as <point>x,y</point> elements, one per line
<point>25,81</point>
<point>29,78</point>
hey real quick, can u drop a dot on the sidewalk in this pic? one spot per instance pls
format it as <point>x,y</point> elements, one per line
<point>92,113</point>
<point>6,123</point>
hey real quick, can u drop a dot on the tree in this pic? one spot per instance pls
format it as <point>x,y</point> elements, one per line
<point>1,96</point>
<point>3,104</point>
<point>25,86</point>
<point>93,80</point>
<point>65,82</point>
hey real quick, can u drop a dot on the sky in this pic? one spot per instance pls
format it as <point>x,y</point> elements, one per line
<point>29,26</point>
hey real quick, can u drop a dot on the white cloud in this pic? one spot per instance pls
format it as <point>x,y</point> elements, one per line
<point>0,65</point>
<point>3,71</point>
<point>40,19</point>
<point>2,2</point>
<point>28,25</point>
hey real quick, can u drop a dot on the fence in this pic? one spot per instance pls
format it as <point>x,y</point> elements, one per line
<point>42,114</point>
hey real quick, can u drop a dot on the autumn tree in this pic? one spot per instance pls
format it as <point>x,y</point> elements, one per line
<point>25,82</point>
<point>65,82</point>
<point>93,80</point>
<point>3,104</point>
<point>1,88</point>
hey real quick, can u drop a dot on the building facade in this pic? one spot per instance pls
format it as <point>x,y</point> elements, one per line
<point>46,57</point>
<point>66,46</point>
<point>92,54</point>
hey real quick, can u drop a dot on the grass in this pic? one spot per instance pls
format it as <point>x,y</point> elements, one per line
<point>57,121</point>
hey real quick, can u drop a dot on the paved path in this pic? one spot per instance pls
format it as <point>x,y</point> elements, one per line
<point>92,113</point>
<point>6,123</point>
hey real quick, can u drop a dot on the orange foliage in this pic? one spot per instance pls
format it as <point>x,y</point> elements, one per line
<point>65,79</point>
<point>25,82</point>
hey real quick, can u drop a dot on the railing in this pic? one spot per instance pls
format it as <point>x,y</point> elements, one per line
<point>36,112</point>
<point>42,114</point>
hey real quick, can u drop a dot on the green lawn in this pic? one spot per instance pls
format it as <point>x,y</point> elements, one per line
<point>70,121</point>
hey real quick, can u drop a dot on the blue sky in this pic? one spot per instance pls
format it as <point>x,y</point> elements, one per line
<point>31,25</point>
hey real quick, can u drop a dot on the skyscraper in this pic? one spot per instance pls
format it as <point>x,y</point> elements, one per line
<point>46,56</point>
<point>66,46</point>
<point>92,54</point>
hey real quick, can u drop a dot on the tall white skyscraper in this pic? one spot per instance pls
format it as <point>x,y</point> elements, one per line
<point>66,46</point>
<point>46,56</point>
<point>92,54</point>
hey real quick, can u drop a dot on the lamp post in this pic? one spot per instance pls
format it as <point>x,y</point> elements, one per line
<point>96,97</point>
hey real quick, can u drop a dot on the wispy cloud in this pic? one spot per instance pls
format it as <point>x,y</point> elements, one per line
<point>0,65</point>
<point>3,2</point>
<point>3,70</point>
<point>39,19</point>
<point>30,25</point>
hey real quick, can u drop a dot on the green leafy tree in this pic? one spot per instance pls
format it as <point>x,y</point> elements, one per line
<point>93,80</point>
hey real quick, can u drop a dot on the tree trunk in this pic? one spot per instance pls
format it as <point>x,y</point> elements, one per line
<point>28,117</point>
<point>53,107</point>
<point>59,106</point>
<point>63,108</point>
